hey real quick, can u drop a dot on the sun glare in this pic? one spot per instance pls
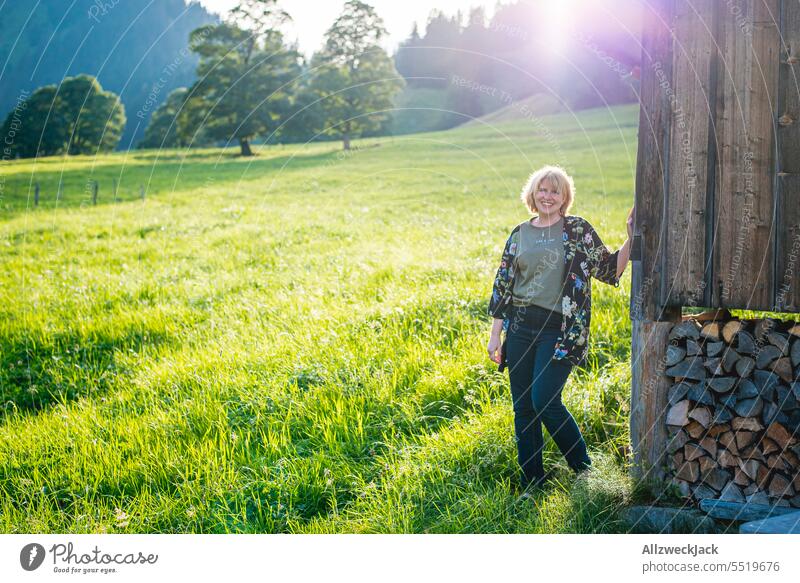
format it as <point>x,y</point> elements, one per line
<point>559,16</point>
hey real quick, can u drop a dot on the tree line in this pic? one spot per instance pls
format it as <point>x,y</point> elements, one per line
<point>253,85</point>
<point>126,45</point>
<point>592,65</point>
<point>76,117</point>
<point>250,84</point>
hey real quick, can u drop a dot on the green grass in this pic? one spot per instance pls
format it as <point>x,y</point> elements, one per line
<point>295,342</point>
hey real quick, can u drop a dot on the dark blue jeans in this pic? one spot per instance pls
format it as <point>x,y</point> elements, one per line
<point>536,384</point>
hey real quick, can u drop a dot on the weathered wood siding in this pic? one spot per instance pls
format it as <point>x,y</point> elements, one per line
<point>693,60</point>
<point>747,77</point>
<point>718,172</point>
<point>655,119</point>
<point>787,264</point>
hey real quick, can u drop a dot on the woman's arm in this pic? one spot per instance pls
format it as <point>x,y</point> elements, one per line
<point>606,266</point>
<point>497,326</point>
<point>624,254</point>
<point>494,346</point>
<point>501,290</point>
<point>603,264</point>
<point>625,251</point>
<point>501,295</point>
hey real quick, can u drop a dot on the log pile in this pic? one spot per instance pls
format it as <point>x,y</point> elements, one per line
<point>734,410</point>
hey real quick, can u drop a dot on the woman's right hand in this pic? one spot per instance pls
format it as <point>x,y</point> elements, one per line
<point>494,348</point>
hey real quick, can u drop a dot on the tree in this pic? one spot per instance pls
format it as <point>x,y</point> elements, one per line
<point>305,121</point>
<point>75,117</point>
<point>442,33</point>
<point>406,59</point>
<point>244,76</point>
<point>94,118</point>
<point>164,128</point>
<point>133,46</point>
<point>353,77</point>
<point>27,129</point>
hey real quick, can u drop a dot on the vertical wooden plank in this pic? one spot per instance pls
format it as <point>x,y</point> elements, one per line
<point>655,117</point>
<point>649,388</point>
<point>787,245</point>
<point>747,84</point>
<point>694,50</point>
<point>648,344</point>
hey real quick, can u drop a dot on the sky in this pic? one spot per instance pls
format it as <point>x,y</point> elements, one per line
<point>311,18</point>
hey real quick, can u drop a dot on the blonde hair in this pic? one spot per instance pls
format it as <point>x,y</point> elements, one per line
<point>558,178</point>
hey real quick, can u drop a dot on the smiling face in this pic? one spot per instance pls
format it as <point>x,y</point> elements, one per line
<point>549,191</point>
<point>547,198</point>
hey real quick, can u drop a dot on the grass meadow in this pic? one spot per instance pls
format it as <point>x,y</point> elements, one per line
<point>296,342</point>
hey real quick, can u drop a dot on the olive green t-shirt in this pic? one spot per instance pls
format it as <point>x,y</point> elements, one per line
<point>540,266</point>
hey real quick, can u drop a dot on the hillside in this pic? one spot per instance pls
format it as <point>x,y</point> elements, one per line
<point>524,109</point>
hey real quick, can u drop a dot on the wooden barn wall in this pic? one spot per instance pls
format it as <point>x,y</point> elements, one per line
<point>787,265</point>
<point>718,173</point>
<point>693,60</point>
<point>655,115</point>
<point>746,101</point>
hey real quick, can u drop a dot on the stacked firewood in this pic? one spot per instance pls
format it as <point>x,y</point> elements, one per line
<point>734,410</point>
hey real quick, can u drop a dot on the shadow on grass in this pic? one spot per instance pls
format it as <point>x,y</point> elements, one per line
<point>35,375</point>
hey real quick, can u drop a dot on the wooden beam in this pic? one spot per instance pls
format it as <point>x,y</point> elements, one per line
<point>785,524</point>
<point>693,52</point>
<point>787,187</point>
<point>747,79</point>
<point>742,511</point>
<point>649,387</point>
<point>655,118</point>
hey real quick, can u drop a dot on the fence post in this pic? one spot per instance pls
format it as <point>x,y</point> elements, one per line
<point>141,191</point>
<point>114,188</point>
<point>36,194</point>
<point>95,186</point>
<point>58,192</point>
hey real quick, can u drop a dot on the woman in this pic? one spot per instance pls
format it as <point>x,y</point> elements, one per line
<point>542,300</point>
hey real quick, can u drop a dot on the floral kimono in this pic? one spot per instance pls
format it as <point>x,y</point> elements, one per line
<point>585,257</point>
